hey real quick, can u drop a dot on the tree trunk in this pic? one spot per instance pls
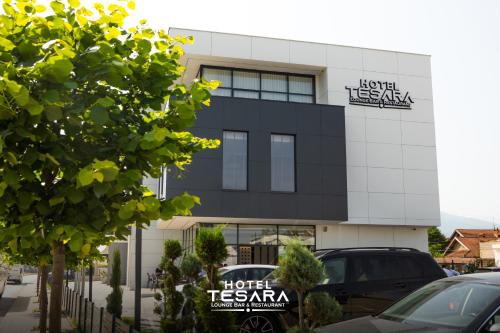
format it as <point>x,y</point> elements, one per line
<point>44,274</point>
<point>38,280</point>
<point>301,310</point>
<point>56,289</point>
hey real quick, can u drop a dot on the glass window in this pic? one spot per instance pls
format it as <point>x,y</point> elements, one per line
<point>221,75</point>
<point>258,234</point>
<point>257,274</point>
<point>228,230</point>
<point>246,80</point>
<point>232,258</point>
<point>300,85</point>
<point>300,98</point>
<point>264,85</point>
<point>374,268</point>
<point>246,94</point>
<point>234,156</point>
<point>410,267</point>
<point>234,275</point>
<point>448,303</point>
<point>221,92</point>
<point>335,269</point>
<point>273,96</point>
<point>282,163</point>
<point>274,82</point>
<point>304,233</point>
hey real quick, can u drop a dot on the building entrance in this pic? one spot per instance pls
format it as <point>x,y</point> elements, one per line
<point>258,254</point>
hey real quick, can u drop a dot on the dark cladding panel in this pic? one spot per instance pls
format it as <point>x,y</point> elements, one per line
<point>321,186</point>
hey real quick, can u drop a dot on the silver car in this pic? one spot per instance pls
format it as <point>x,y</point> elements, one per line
<point>15,274</point>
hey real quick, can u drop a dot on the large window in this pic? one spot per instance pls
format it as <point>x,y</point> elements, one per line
<point>234,156</point>
<point>258,244</point>
<point>261,85</point>
<point>282,163</point>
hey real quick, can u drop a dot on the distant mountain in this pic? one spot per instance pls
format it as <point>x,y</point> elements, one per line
<point>450,222</point>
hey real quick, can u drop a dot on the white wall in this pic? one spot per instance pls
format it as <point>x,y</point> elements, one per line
<point>346,235</point>
<point>152,251</point>
<point>391,154</point>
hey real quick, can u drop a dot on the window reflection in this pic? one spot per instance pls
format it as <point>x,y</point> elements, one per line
<point>304,233</point>
<point>258,234</point>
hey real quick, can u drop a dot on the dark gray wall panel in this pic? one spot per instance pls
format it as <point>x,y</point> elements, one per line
<point>320,161</point>
<point>309,147</point>
<point>309,178</point>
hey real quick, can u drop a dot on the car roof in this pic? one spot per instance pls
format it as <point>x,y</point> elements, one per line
<point>233,267</point>
<point>367,250</point>
<point>489,278</point>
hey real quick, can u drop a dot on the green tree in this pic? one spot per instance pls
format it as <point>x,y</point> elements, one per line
<point>212,251</point>
<point>87,109</point>
<point>114,300</point>
<point>171,299</point>
<point>299,270</point>
<point>437,241</point>
<point>321,309</point>
<point>191,269</point>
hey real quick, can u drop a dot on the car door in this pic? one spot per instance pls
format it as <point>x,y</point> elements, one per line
<point>414,275</point>
<point>336,282</point>
<point>375,280</point>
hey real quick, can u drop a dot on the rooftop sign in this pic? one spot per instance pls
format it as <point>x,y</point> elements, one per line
<point>380,94</point>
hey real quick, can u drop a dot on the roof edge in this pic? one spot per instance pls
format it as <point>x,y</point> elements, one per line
<point>302,41</point>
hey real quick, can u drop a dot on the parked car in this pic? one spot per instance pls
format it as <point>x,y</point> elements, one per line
<point>487,269</point>
<point>3,279</point>
<point>16,273</point>
<point>466,304</point>
<point>245,273</point>
<point>364,281</point>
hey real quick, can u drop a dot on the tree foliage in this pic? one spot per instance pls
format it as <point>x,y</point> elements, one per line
<point>171,299</point>
<point>191,269</point>
<point>87,109</point>
<point>437,241</point>
<point>299,270</point>
<point>212,251</point>
<point>321,309</point>
<point>114,300</point>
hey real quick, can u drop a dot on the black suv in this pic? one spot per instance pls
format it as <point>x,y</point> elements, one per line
<point>364,281</point>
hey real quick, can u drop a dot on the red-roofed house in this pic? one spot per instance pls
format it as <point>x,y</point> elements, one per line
<point>470,246</point>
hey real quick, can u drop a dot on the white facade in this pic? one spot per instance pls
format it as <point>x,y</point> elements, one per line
<point>392,180</point>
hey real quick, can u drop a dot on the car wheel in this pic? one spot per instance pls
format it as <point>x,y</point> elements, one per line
<point>258,324</point>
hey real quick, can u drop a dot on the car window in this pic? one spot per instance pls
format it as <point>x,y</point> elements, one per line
<point>235,275</point>
<point>411,267</point>
<point>335,270</point>
<point>495,319</point>
<point>375,268</point>
<point>446,303</point>
<point>256,274</point>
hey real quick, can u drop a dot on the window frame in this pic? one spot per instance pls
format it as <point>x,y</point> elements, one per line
<point>294,162</point>
<point>260,91</point>
<point>247,161</point>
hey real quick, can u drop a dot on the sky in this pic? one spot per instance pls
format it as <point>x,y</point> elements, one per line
<point>461,36</point>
